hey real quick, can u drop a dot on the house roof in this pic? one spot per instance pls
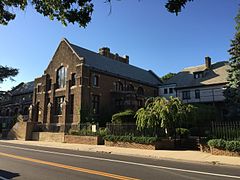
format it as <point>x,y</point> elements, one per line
<point>217,74</point>
<point>107,65</point>
<point>23,88</point>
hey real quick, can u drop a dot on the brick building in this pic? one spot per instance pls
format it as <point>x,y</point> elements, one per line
<point>79,84</point>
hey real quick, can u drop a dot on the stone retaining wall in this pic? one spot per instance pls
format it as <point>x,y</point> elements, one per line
<point>163,144</point>
<point>93,140</point>
<point>48,136</point>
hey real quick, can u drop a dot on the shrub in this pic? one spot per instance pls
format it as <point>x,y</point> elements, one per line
<point>233,146</point>
<point>136,139</point>
<point>217,143</point>
<point>183,132</point>
<point>123,117</point>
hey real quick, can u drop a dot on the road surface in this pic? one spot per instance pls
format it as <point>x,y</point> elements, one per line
<point>40,163</point>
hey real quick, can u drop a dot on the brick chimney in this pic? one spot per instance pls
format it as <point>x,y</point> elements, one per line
<point>105,51</point>
<point>208,62</point>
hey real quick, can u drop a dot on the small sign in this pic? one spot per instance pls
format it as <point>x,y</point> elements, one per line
<point>94,128</point>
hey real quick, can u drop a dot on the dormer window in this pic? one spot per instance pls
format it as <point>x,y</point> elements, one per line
<point>198,75</point>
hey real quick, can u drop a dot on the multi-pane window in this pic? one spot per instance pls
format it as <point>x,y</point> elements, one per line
<point>95,104</point>
<point>58,105</point>
<point>61,77</point>
<point>95,80</point>
<point>197,94</point>
<point>186,95</point>
<point>73,79</point>
<point>119,86</point>
<point>165,91</point>
<point>198,75</point>
<point>140,91</point>
<point>170,90</point>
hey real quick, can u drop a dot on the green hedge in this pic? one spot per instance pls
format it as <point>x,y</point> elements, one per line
<point>233,146</point>
<point>136,139</point>
<point>124,117</point>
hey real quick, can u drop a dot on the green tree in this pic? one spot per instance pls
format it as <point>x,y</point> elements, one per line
<point>167,76</point>
<point>7,72</point>
<point>232,92</point>
<point>163,113</point>
<point>71,11</point>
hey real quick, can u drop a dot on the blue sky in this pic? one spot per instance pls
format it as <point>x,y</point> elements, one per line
<point>153,38</point>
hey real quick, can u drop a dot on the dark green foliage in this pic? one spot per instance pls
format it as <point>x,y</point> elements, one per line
<point>167,76</point>
<point>124,117</point>
<point>217,143</point>
<point>232,92</point>
<point>182,132</point>
<point>71,11</point>
<point>6,72</point>
<point>233,146</point>
<point>176,6</point>
<point>88,132</point>
<point>140,139</point>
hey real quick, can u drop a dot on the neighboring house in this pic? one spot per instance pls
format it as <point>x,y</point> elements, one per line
<point>198,84</point>
<point>78,82</point>
<point>16,101</point>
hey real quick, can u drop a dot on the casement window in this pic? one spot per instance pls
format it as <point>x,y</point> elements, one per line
<point>58,105</point>
<point>165,91</point>
<point>140,91</point>
<point>95,104</point>
<point>170,90</point>
<point>95,81</point>
<point>61,77</point>
<point>73,79</point>
<point>186,95</point>
<point>197,94</point>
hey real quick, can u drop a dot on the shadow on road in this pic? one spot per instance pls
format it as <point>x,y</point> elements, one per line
<point>8,175</point>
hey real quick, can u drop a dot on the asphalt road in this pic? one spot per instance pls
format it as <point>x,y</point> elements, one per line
<point>33,163</point>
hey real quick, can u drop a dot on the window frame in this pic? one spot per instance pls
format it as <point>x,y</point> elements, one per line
<point>197,94</point>
<point>186,95</point>
<point>58,105</point>
<point>61,77</point>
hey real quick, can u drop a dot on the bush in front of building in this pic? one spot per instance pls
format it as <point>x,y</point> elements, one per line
<point>232,146</point>
<point>126,116</point>
<point>131,139</point>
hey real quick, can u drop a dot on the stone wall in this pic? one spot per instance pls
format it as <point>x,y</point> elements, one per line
<point>48,136</point>
<point>21,131</point>
<point>93,140</point>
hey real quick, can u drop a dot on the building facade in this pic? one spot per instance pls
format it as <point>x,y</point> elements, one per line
<point>15,102</point>
<point>199,84</point>
<point>81,85</point>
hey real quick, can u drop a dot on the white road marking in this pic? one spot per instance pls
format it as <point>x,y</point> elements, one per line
<point>126,162</point>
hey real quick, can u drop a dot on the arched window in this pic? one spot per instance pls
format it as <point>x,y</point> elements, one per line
<point>130,87</point>
<point>61,77</point>
<point>140,91</point>
<point>119,86</point>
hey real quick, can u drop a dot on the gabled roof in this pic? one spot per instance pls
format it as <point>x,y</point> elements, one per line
<point>217,74</point>
<point>117,68</point>
<point>23,88</point>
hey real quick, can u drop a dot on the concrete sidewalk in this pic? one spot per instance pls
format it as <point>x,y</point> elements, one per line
<point>184,155</point>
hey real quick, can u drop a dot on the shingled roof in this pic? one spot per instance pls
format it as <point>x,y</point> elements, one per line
<point>217,74</point>
<point>23,88</point>
<point>120,69</point>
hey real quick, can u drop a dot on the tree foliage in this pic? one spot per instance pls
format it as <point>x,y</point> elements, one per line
<point>232,92</point>
<point>167,76</point>
<point>66,11</point>
<point>164,113</point>
<point>7,72</point>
